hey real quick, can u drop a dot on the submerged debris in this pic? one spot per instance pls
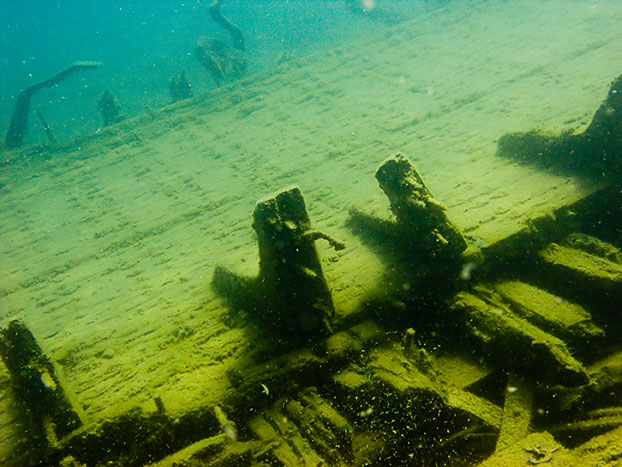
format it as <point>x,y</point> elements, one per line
<point>596,151</point>
<point>109,109</point>
<point>290,294</point>
<point>224,63</point>
<point>422,229</point>
<point>179,87</point>
<point>510,366</point>
<point>19,120</point>
<point>47,412</point>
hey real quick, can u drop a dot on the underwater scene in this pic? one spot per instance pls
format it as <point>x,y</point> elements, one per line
<point>311,233</point>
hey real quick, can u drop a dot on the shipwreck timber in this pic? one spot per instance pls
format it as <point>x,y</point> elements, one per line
<point>377,394</point>
<point>315,403</point>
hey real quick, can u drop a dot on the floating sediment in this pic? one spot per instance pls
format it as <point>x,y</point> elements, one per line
<point>395,379</point>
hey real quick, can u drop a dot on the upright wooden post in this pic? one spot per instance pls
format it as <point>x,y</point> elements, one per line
<point>290,293</point>
<point>419,216</point>
<point>47,412</point>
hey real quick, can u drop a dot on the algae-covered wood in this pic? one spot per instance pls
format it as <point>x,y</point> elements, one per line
<point>108,244</point>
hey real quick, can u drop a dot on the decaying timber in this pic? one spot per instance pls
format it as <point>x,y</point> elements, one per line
<point>516,416</point>
<point>224,63</point>
<point>596,151</point>
<point>236,34</point>
<point>422,228</point>
<point>563,267</point>
<point>19,120</point>
<point>179,88</point>
<point>571,322</point>
<point>47,413</point>
<point>290,294</point>
<point>46,127</point>
<point>502,336</point>
<point>221,61</point>
<point>502,373</point>
<point>109,109</point>
<point>362,396</point>
<point>521,366</point>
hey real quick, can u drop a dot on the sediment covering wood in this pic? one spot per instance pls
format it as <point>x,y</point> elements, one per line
<point>115,267</point>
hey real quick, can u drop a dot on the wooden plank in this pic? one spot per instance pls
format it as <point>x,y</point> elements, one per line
<point>568,321</point>
<point>583,268</point>
<point>517,410</point>
<point>108,245</point>
<point>502,335</point>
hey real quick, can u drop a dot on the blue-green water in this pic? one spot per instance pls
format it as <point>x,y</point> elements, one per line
<point>144,43</point>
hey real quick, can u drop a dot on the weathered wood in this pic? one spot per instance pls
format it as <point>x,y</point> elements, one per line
<point>516,413</point>
<point>418,214</point>
<point>593,246</point>
<point>224,22</point>
<point>461,370</point>
<point>46,127</point>
<point>139,438</point>
<point>292,447</point>
<point>328,431</point>
<point>217,451</point>
<point>542,229</point>
<point>513,343</point>
<point>591,424</point>
<point>485,412</point>
<point>584,266</point>
<point>604,390</point>
<point>290,282</point>
<point>417,383</point>
<point>182,383</point>
<point>604,449</point>
<point>19,120</point>
<point>260,382</point>
<point>290,293</point>
<point>421,228</point>
<point>596,151</point>
<point>606,377</point>
<point>573,269</point>
<point>44,405</point>
<point>221,61</point>
<point>407,396</point>
<point>568,321</point>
